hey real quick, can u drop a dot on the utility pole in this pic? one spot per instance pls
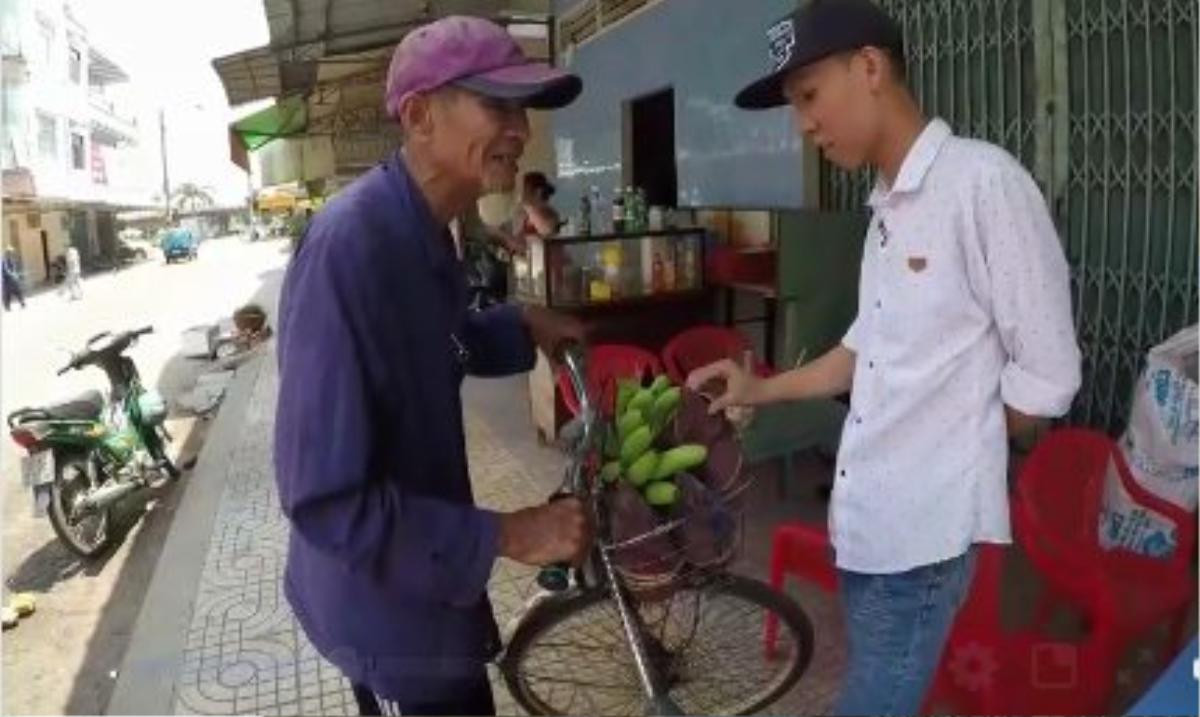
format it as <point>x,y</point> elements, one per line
<point>166,178</point>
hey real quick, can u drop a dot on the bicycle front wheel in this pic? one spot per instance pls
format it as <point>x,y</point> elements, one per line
<point>571,656</point>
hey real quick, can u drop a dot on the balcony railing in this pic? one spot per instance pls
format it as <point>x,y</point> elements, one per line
<point>107,114</point>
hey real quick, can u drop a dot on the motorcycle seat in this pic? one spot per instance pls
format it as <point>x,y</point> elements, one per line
<point>85,406</point>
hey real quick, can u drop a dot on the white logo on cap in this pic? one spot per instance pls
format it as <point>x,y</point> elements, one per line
<point>781,38</point>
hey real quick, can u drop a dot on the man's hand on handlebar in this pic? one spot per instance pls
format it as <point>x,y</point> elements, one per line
<point>552,330</point>
<point>558,532</point>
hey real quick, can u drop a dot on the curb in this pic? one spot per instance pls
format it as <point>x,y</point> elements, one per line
<point>146,681</point>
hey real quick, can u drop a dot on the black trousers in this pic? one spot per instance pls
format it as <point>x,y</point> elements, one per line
<point>12,290</point>
<point>474,698</point>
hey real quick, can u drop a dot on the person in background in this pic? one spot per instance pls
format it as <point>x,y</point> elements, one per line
<point>488,251</point>
<point>535,216</point>
<point>964,338</point>
<point>74,273</point>
<point>12,281</point>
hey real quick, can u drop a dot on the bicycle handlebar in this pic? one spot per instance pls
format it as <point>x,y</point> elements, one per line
<point>555,578</point>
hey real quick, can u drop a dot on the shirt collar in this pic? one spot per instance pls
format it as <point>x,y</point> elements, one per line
<point>435,242</point>
<point>917,162</point>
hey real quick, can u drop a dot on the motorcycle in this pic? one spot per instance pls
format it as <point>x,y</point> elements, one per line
<point>86,454</point>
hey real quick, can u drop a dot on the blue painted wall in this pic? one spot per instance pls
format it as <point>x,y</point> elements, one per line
<point>707,50</point>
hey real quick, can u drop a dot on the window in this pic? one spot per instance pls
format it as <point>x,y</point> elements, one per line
<point>76,65</point>
<point>78,151</point>
<point>46,35</point>
<point>47,136</point>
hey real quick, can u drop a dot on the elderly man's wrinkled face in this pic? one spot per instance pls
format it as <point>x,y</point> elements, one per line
<point>478,139</point>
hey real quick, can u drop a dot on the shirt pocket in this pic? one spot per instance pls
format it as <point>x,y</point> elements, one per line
<point>921,284</point>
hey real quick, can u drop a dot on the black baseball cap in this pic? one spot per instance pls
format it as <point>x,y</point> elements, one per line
<point>817,30</point>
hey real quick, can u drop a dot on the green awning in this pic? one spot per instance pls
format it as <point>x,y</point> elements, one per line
<point>285,118</point>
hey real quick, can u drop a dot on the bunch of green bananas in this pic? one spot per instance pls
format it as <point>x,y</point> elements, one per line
<point>641,415</point>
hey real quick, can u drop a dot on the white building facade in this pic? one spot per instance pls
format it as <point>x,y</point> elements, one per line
<point>71,148</point>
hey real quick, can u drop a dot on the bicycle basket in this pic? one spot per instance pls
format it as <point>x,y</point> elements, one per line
<point>656,553</point>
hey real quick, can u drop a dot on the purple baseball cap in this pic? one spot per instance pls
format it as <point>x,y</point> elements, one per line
<point>477,55</point>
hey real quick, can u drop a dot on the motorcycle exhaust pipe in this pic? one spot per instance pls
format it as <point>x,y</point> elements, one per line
<point>104,496</point>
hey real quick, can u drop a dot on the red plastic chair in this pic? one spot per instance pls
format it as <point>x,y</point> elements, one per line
<point>986,669</point>
<point>802,550</point>
<point>606,363</point>
<point>701,345</point>
<point>1056,519</point>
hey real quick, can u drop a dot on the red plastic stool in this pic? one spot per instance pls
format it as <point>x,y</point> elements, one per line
<point>802,550</point>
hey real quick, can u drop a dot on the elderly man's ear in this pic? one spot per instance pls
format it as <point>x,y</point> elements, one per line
<point>416,116</point>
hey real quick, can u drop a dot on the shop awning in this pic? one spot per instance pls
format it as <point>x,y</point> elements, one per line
<point>286,118</point>
<point>249,76</point>
<point>102,70</point>
<point>279,198</point>
<point>276,203</point>
<point>328,59</point>
<point>308,33</point>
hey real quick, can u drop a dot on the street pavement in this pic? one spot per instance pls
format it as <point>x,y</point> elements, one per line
<point>60,660</point>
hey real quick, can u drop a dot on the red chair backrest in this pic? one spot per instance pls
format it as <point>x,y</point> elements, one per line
<point>699,346</point>
<point>1059,491</point>
<point>1057,506</point>
<point>606,363</point>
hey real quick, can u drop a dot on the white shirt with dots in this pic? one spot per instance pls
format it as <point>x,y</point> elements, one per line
<point>964,307</point>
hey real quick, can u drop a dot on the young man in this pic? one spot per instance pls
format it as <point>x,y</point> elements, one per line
<point>389,558</point>
<point>964,321</point>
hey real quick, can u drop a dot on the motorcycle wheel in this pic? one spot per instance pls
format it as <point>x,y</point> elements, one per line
<point>87,536</point>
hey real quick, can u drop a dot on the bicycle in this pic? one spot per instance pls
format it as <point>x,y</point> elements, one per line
<point>597,642</point>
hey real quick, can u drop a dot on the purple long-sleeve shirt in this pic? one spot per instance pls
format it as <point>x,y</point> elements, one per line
<point>389,558</point>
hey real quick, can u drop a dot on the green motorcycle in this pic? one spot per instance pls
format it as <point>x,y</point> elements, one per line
<point>86,454</point>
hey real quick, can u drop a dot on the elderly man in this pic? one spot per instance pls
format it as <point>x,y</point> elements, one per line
<point>964,321</point>
<point>389,558</point>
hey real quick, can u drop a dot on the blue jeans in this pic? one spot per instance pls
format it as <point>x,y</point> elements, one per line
<point>897,625</point>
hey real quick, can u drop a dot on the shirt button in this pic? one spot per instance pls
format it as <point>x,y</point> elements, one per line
<point>871,364</point>
<point>878,304</point>
<point>843,474</point>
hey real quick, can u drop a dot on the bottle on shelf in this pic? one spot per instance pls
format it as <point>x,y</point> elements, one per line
<point>657,284</point>
<point>597,287</point>
<point>637,198</point>
<point>612,267</point>
<point>600,215</point>
<point>619,210</point>
<point>669,265</point>
<point>686,274</point>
